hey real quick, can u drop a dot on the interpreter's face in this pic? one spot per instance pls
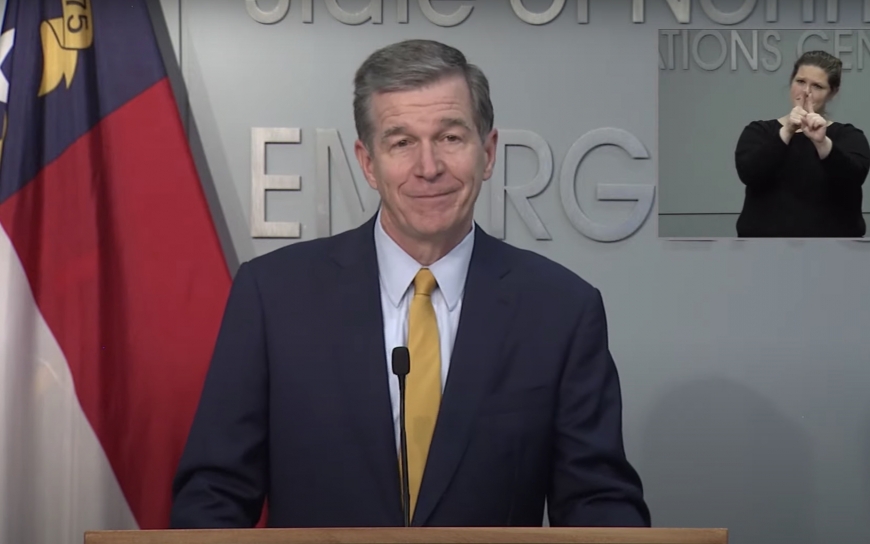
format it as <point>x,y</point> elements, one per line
<point>427,159</point>
<point>810,89</point>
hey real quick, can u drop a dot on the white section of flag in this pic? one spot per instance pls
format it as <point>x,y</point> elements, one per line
<point>55,479</point>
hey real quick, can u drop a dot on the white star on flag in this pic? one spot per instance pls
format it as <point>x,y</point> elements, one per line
<point>7,40</point>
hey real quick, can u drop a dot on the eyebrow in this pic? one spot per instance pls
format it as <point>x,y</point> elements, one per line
<point>394,131</point>
<point>452,122</point>
<point>447,122</point>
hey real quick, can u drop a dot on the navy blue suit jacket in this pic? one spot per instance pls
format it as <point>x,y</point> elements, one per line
<point>296,405</point>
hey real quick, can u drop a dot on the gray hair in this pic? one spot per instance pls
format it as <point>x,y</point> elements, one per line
<point>410,65</point>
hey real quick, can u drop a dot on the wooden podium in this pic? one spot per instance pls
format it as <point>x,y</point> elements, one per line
<point>421,535</point>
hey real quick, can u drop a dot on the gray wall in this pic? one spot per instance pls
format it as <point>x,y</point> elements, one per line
<point>744,365</point>
<point>703,109</point>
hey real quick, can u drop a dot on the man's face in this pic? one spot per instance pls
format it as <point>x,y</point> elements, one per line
<point>427,160</point>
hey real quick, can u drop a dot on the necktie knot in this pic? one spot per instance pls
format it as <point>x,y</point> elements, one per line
<point>424,282</point>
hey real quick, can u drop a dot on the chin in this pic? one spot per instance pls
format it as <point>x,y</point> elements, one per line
<point>434,226</point>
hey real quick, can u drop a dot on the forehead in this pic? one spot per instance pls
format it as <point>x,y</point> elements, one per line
<point>813,73</point>
<point>447,97</point>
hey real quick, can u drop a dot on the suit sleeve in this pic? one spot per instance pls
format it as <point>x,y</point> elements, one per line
<point>593,484</point>
<point>849,161</point>
<point>758,155</point>
<point>222,477</point>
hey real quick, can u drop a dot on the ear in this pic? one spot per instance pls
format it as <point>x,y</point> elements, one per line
<point>366,163</point>
<point>490,145</point>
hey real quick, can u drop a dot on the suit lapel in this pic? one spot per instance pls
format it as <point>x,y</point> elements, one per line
<point>487,308</point>
<point>361,364</point>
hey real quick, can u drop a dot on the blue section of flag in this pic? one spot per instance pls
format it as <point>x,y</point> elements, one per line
<point>122,62</point>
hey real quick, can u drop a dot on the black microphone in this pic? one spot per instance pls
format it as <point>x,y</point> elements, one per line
<point>401,367</point>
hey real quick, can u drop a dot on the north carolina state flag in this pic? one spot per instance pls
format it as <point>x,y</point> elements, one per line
<point>112,278</point>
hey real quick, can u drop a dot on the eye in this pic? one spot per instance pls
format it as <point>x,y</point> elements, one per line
<point>452,138</point>
<point>400,143</point>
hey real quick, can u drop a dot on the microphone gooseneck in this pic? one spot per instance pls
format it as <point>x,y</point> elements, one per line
<point>401,366</point>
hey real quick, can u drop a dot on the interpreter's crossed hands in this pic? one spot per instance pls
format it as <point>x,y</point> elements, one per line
<point>804,117</point>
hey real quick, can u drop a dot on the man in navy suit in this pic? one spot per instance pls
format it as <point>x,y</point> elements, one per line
<point>300,406</point>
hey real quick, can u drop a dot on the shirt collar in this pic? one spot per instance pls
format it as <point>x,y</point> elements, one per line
<point>397,268</point>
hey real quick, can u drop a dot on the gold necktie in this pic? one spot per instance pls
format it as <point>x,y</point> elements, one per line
<point>423,386</point>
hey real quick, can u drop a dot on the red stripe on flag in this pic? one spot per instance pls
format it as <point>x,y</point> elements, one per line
<point>126,267</point>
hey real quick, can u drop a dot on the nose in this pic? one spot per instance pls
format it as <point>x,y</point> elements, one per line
<point>429,163</point>
<point>804,91</point>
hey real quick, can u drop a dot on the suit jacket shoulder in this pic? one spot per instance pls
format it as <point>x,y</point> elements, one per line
<point>306,260</point>
<point>546,278</point>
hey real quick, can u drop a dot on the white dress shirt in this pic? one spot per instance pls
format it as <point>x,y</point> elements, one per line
<point>397,271</point>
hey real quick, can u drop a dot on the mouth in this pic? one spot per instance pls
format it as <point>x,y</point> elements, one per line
<point>434,196</point>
